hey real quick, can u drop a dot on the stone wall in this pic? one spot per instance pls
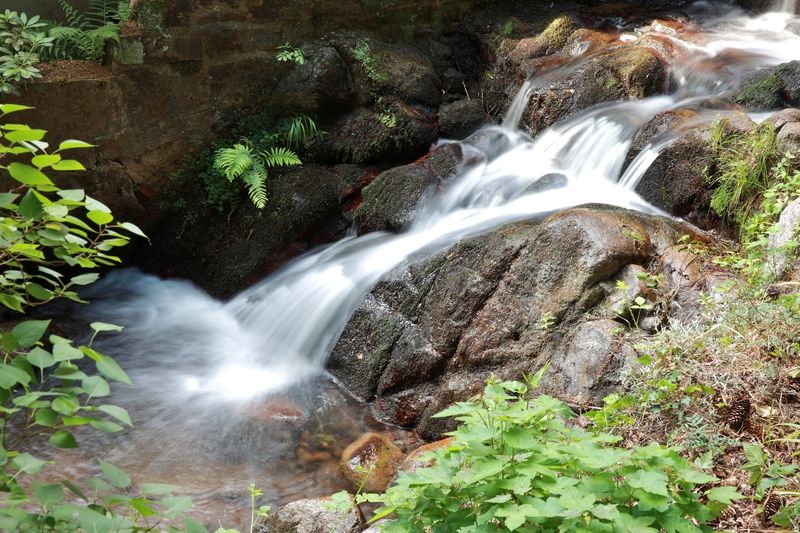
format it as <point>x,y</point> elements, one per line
<point>183,72</point>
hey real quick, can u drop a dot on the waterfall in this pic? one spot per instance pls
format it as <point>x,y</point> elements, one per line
<point>186,349</point>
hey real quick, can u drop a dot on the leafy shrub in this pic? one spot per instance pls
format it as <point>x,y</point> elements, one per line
<point>22,41</point>
<point>85,34</point>
<point>46,385</point>
<point>518,463</point>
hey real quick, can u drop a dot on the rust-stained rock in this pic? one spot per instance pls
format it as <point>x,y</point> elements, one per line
<point>370,463</point>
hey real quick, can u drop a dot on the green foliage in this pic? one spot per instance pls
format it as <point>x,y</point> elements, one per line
<point>742,172</point>
<point>48,385</point>
<point>260,143</point>
<point>518,464</point>
<point>242,161</point>
<point>370,63</point>
<point>756,255</point>
<point>85,34</point>
<point>287,52</point>
<point>22,41</point>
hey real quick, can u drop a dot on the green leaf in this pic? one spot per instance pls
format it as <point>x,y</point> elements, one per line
<point>99,217</point>
<point>13,108</point>
<point>30,332</point>
<point>193,526</point>
<point>28,135</point>
<point>133,228</point>
<point>40,358</point>
<point>628,524</point>
<point>649,481</point>
<point>174,506</point>
<point>71,144</point>
<point>514,521</point>
<point>159,489</point>
<point>63,439</point>
<point>46,417</point>
<point>115,476</point>
<point>85,279</point>
<point>117,412</point>
<point>44,160</point>
<point>106,426</point>
<point>27,175</point>
<point>47,495</point>
<point>68,165</point>
<point>95,386</point>
<point>38,292</point>
<point>103,326</point>
<point>725,494</point>
<point>27,463</point>
<point>63,351</point>
<point>66,405</point>
<point>30,207</point>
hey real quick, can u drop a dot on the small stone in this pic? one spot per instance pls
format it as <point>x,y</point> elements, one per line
<point>311,516</point>
<point>370,463</point>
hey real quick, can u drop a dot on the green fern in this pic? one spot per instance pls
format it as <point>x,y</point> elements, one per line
<point>279,156</point>
<point>241,161</point>
<point>85,34</point>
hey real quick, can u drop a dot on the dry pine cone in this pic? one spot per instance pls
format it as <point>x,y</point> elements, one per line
<point>738,415</point>
<point>772,504</point>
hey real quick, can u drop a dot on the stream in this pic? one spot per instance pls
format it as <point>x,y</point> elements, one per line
<point>229,393</point>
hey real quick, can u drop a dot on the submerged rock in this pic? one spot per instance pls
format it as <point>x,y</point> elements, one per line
<point>503,303</point>
<point>311,516</point>
<point>370,463</point>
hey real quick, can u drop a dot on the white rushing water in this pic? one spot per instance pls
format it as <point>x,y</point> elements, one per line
<point>185,349</point>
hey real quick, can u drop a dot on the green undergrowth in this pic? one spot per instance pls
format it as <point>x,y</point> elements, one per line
<point>725,383</point>
<point>519,462</point>
<point>742,170</point>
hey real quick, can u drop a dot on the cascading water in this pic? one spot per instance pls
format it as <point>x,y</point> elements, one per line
<point>198,363</point>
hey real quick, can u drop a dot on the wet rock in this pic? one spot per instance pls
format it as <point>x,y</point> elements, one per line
<point>461,118</point>
<point>506,303</point>
<point>628,285</point>
<point>418,458</point>
<point>676,181</point>
<point>190,241</point>
<point>392,200</point>
<point>787,126</point>
<point>781,242</point>
<point>311,516</point>
<point>370,463</point>
<point>625,72</point>
<point>550,41</point>
<point>396,132</point>
<point>590,365</point>
<point>771,88</point>
<point>322,84</point>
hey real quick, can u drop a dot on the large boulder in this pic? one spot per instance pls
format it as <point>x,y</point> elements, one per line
<point>676,181</point>
<point>321,84</point>
<point>311,516</point>
<point>503,303</point>
<point>395,132</point>
<point>771,88</point>
<point>626,72</point>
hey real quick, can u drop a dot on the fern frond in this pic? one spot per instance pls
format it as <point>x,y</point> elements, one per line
<point>280,157</point>
<point>100,12</point>
<point>235,161</point>
<point>124,10</point>
<point>73,17</point>
<point>256,180</point>
<point>63,32</point>
<point>104,33</point>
